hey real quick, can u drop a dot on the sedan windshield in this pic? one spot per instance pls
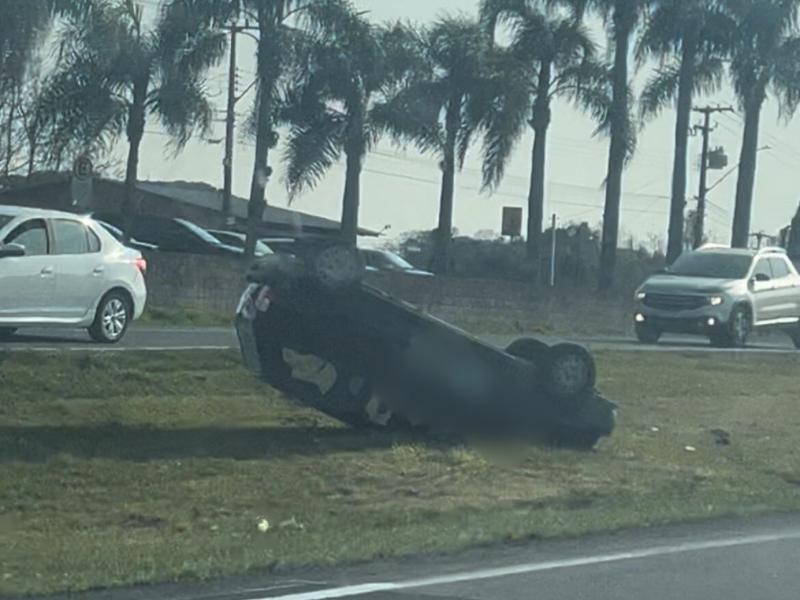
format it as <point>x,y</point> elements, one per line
<point>387,260</point>
<point>717,265</point>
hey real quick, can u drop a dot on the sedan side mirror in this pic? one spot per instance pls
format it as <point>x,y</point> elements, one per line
<point>761,277</point>
<point>11,251</point>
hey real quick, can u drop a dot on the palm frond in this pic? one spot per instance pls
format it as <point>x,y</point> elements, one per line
<point>311,150</point>
<point>786,78</point>
<point>413,115</point>
<point>660,91</point>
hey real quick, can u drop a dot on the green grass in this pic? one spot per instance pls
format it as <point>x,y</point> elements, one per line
<point>121,469</point>
<point>184,316</point>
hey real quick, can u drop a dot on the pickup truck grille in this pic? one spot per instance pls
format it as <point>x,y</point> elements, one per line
<point>674,302</point>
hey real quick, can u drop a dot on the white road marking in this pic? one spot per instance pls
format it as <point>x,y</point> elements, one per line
<point>89,348</point>
<point>526,568</point>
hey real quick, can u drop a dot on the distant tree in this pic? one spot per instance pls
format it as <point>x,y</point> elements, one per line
<point>765,56</point>
<point>345,73</point>
<point>114,74</point>
<point>442,107</point>
<point>555,56</point>
<point>689,39</point>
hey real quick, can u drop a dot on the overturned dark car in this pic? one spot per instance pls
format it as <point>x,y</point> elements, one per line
<point>396,366</point>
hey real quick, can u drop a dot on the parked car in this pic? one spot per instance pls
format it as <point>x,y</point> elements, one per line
<point>722,293</point>
<point>394,365</point>
<point>237,240</point>
<point>383,260</point>
<point>59,269</point>
<point>118,235</point>
<point>171,235</point>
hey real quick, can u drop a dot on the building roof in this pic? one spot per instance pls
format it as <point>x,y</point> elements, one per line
<point>202,194</point>
<point>204,197</point>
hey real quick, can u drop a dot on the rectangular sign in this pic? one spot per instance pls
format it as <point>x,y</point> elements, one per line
<point>512,221</point>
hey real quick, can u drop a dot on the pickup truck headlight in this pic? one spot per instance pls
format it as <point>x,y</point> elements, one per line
<point>716,300</point>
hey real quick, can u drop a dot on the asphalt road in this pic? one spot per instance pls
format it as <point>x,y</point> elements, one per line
<point>185,338</point>
<point>722,560</point>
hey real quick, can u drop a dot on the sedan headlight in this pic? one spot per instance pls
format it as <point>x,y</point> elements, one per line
<point>641,295</point>
<point>716,300</point>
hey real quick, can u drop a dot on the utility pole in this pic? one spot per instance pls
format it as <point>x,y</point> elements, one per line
<point>705,129</point>
<point>230,132</point>
<point>230,121</point>
<point>553,254</point>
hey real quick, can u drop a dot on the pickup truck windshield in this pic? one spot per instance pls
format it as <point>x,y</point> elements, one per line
<point>717,265</point>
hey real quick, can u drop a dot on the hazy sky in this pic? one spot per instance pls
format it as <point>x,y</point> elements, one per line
<point>400,187</point>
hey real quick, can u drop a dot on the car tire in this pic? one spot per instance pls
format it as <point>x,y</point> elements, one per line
<point>568,369</point>
<point>736,330</point>
<point>647,334</point>
<point>338,267</point>
<point>7,332</point>
<point>113,316</point>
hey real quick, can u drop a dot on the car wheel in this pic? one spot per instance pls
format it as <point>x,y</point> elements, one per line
<point>7,332</point>
<point>112,318</point>
<point>647,334</point>
<point>737,330</point>
<point>568,369</point>
<point>338,267</point>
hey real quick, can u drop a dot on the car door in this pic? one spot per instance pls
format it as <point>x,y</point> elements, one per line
<point>787,294</point>
<point>27,283</point>
<point>79,268</point>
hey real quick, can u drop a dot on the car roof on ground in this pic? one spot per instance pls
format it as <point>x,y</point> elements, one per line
<point>26,211</point>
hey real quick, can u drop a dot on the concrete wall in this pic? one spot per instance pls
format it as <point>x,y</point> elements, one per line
<point>215,283</point>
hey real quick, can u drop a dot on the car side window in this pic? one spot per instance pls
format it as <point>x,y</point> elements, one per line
<point>94,241</point>
<point>71,237</point>
<point>779,268</point>
<point>32,235</point>
<point>762,268</point>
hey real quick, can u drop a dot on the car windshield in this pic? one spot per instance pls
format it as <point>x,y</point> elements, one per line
<point>237,240</point>
<point>716,265</point>
<point>387,260</point>
<point>4,220</point>
<point>199,231</point>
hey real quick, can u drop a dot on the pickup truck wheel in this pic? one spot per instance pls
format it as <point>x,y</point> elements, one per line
<point>795,335</point>
<point>737,330</point>
<point>530,349</point>
<point>7,332</point>
<point>647,334</point>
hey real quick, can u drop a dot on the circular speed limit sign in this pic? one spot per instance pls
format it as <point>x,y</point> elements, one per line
<point>82,169</point>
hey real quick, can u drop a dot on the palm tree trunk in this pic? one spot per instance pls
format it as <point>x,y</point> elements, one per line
<point>678,200</point>
<point>352,196</point>
<point>261,173</point>
<point>136,121</point>
<point>444,231</point>
<point>740,234</point>
<point>541,123</point>
<point>616,159</point>
<point>9,130</point>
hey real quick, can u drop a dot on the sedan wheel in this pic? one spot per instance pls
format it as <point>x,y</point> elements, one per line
<point>112,319</point>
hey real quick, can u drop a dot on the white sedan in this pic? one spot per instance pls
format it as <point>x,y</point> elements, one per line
<point>61,270</point>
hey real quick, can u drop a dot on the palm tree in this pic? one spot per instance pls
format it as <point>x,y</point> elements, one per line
<point>343,73</point>
<point>555,58</point>
<point>688,37</point>
<point>442,106</point>
<point>765,57</point>
<point>114,74</point>
<point>279,23</point>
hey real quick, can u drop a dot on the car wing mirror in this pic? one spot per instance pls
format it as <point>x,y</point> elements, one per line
<point>11,251</point>
<point>761,277</point>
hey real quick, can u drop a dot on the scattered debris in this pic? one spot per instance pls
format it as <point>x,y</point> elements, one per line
<point>291,524</point>
<point>263,525</point>
<point>655,429</point>
<point>721,437</point>
<point>690,449</point>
